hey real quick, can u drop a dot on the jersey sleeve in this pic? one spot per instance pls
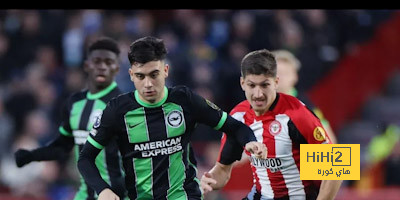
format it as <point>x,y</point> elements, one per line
<point>310,126</point>
<point>230,150</point>
<point>104,127</point>
<point>207,112</point>
<point>65,127</point>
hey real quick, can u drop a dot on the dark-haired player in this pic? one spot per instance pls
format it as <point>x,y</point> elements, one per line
<point>153,126</point>
<point>282,123</point>
<point>80,113</point>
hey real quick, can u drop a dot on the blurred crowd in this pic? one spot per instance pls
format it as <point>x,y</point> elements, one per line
<point>42,51</point>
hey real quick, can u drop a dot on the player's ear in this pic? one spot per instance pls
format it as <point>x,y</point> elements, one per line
<point>131,73</point>
<point>242,82</point>
<point>276,82</point>
<point>166,70</point>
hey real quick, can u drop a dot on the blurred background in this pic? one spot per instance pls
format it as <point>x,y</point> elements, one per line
<point>350,69</point>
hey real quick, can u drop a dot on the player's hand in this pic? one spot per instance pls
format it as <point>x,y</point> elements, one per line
<point>108,194</point>
<point>23,157</point>
<point>258,149</point>
<point>206,181</point>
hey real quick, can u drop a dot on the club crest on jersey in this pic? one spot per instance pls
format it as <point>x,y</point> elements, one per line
<point>275,128</point>
<point>175,118</point>
<point>97,121</point>
<point>319,134</point>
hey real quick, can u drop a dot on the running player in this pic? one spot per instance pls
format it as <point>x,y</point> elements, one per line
<point>79,114</point>
<point>282,123</point>
<point>153,126</point>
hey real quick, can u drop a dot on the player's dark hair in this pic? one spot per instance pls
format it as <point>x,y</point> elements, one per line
<point>259,62</point>
<point>104,43</point>
<point>147,49</point>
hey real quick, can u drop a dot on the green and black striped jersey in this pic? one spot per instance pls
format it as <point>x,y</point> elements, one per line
<point>78,117</point>
<point>154,140</point>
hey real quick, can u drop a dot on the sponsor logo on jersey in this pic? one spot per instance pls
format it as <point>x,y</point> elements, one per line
<point>80,136</point>
<point>175,118</point>
<point>157,148</point>
<point>212,105</point>
<point>273,164</point>
<point>275,128</point>
<point>319,134</point>
<point>93,132</point>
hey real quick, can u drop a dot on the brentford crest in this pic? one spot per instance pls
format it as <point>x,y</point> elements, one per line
<point>275,128</point>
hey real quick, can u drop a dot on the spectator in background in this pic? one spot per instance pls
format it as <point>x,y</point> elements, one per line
<point>287,71</point>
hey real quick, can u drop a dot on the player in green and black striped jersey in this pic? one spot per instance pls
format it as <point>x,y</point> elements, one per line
<point>153,126</point>
<point>78,116</point>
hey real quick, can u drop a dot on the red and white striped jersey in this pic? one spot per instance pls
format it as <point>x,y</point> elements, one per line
<point>287,124</point>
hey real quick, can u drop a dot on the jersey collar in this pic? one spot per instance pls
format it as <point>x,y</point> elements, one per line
<point>102,93</point>
<point>152,105</point>
<point>273,105</point>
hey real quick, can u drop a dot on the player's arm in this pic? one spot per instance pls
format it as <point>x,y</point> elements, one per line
<point>208,113</point>
<point>58,149</point>
<point>329,189</point>
<point>216,178</point>
<point>98,138</point>
<point>220,174</point>
<point>312,130</point>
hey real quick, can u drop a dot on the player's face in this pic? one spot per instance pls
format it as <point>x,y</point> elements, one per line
<point>102,66</point>
<point>149,79</point>
<point>260,91</point>
<point>287,76</point>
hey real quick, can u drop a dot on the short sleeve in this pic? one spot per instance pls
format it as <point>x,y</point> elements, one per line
<point>65,126</point>
<point>104,127</point>
<point>310,126</point>
<point>207,112</point>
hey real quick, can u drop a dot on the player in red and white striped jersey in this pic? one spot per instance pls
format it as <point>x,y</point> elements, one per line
<point>282,123</point>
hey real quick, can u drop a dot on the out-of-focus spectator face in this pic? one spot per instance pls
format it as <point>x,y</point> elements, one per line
<point>292,35</point>
<point>47,57</point>
<point>75,80</point>
<point>197,27</point>
<point>145,23</point>
<point>287,74</point>
<point>243,25</point>
<point>4,44</point>
<point>31,22</point>
<point>36,124</point>
<point>316,18</point>
<point>237,50</point>
<point>202,74</point>
<point>102,66</point>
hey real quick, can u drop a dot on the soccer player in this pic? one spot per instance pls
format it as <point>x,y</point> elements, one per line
<point>287,71</point>
<point>79,115</point>
<point>153,126</point>
<point>282,123</point>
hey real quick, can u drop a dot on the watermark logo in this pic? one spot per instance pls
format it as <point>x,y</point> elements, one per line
<point>330,161</point>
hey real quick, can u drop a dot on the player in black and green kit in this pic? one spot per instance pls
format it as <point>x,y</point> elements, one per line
<point>153,126</point>
<point>79,115</point>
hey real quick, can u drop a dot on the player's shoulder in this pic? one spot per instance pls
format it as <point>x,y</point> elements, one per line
<point>290,101</point>
<point>243,106</point>
<point>179,92</point>
<point>121,99</point>
<point>77,96</point>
